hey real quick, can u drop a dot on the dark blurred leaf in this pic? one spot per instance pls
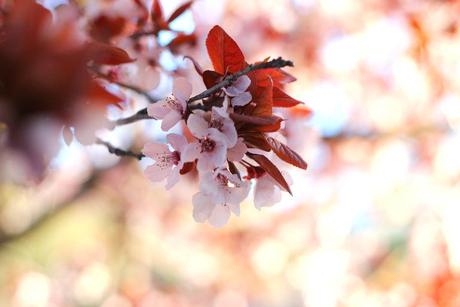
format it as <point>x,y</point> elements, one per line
<point>286,154</point>
<point>271,169</point>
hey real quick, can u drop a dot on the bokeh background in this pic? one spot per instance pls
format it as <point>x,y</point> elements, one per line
<point>374,221</point>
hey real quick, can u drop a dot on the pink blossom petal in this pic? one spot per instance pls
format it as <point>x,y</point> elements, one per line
<point>237,152</point>
<point>170,120</point>
<point>173,178</point>
<point>229,130</point>
<point>235,208</point>
<point>155,150</point>
<point>242,99</point>
<point>232,91</point>
<point>177,141</point>
<point>158,110</point>
<point>182,89</point>
<point>202,207</point>
<point>238,194</point>
<point>190,152</point>
<point>266,192</point>
<point>157,172</point>
<point>242,83</point>
<point>198,125</point>
<point>219,216</point>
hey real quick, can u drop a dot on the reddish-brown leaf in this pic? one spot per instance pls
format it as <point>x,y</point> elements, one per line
<point>286,154</point>
<point>279,76</point>
<point>223,51</point>
<point>108,55</point>
<point>182,39</point>
<point>211,78</point>
<point>261,89</point>
<point>196,65</point>
<point>157,16</point>
<point>255,120</point>
<point>271,169</point>
<point>98,93</point>
<point>283,100</point>
<point>104,28</point>
<point>271,127</point>
<point>144,11</point>
<point>255,139</point>
<point>179,11</point>
<point>300,112</point>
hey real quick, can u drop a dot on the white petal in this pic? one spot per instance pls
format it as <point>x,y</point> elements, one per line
<point>235,208</point>
<point>170,120</point>
<point>242,99</point>
<point>202,207</point>
<point>157,172</point>
<point>238,194</point>
<point>177,141</point>
<point>266,192</point>
<point>173,178</point>
<point>219,216</point>
<point>190,152</point>
<point>236,153</point>
<point>198,125</point>
<point>155,150</point>
<point>229,131</point>
<point>182,89</point>
<point>158,110</point>
<point>242,83</point>
<point>232,91</point>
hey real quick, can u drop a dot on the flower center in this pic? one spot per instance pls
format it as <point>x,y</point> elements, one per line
<point>218,124</point>
<point>207,145</point>
<point>174,104</point>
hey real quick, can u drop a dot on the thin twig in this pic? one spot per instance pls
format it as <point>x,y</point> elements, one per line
<point>275,63</point>
<point>139,115</point>
<point>118,151</point>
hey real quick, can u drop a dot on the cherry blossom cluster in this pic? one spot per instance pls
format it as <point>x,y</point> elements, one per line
<point>229,130</point>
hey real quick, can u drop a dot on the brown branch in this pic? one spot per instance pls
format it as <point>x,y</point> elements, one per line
<point>142,114</point>
<point>118,151</point>
<point>275,63</point>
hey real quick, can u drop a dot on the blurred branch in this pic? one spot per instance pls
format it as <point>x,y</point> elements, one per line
<point>139,115</point>
<point>86,186</point>
<point>118,151</point>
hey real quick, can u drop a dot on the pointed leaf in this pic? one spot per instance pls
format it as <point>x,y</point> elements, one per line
<point>225,55</point>
<point>211,78</point>
<point>261,90</point>
<point>283,100</point>
<point>179,11</point>
<point>107,54</point>
<point>286,154</point>
<point>255,120</point>
<point>271,169</point>
<point>182,39</point>
<point>196,65</point>
<point>255,139</point>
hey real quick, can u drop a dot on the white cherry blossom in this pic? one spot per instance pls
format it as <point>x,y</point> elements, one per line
<point>238,91</point>
<point>167,163</point>
<point>172,109</point>
<point>267,192</point>
<point>220,194</point>
<point>210,148</point>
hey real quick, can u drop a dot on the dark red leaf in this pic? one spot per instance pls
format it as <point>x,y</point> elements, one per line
<point>157,16</point>
<point>283,100</point>
<point>182,39</point>
<point>104,28</point>
<point>300,112</point>
<point>223,51</point>
<point>197,65</point>
<point>145,13</point>
<point>271,169</point>
<point>279,76</point>
<point>286,154</point>
<point>108,55</point>
<point>255,139</point>
<point>261,89</point>
<point>98,93</point>
<point>179,11</point>
<point>211,78</point>
<point>255,120</point>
